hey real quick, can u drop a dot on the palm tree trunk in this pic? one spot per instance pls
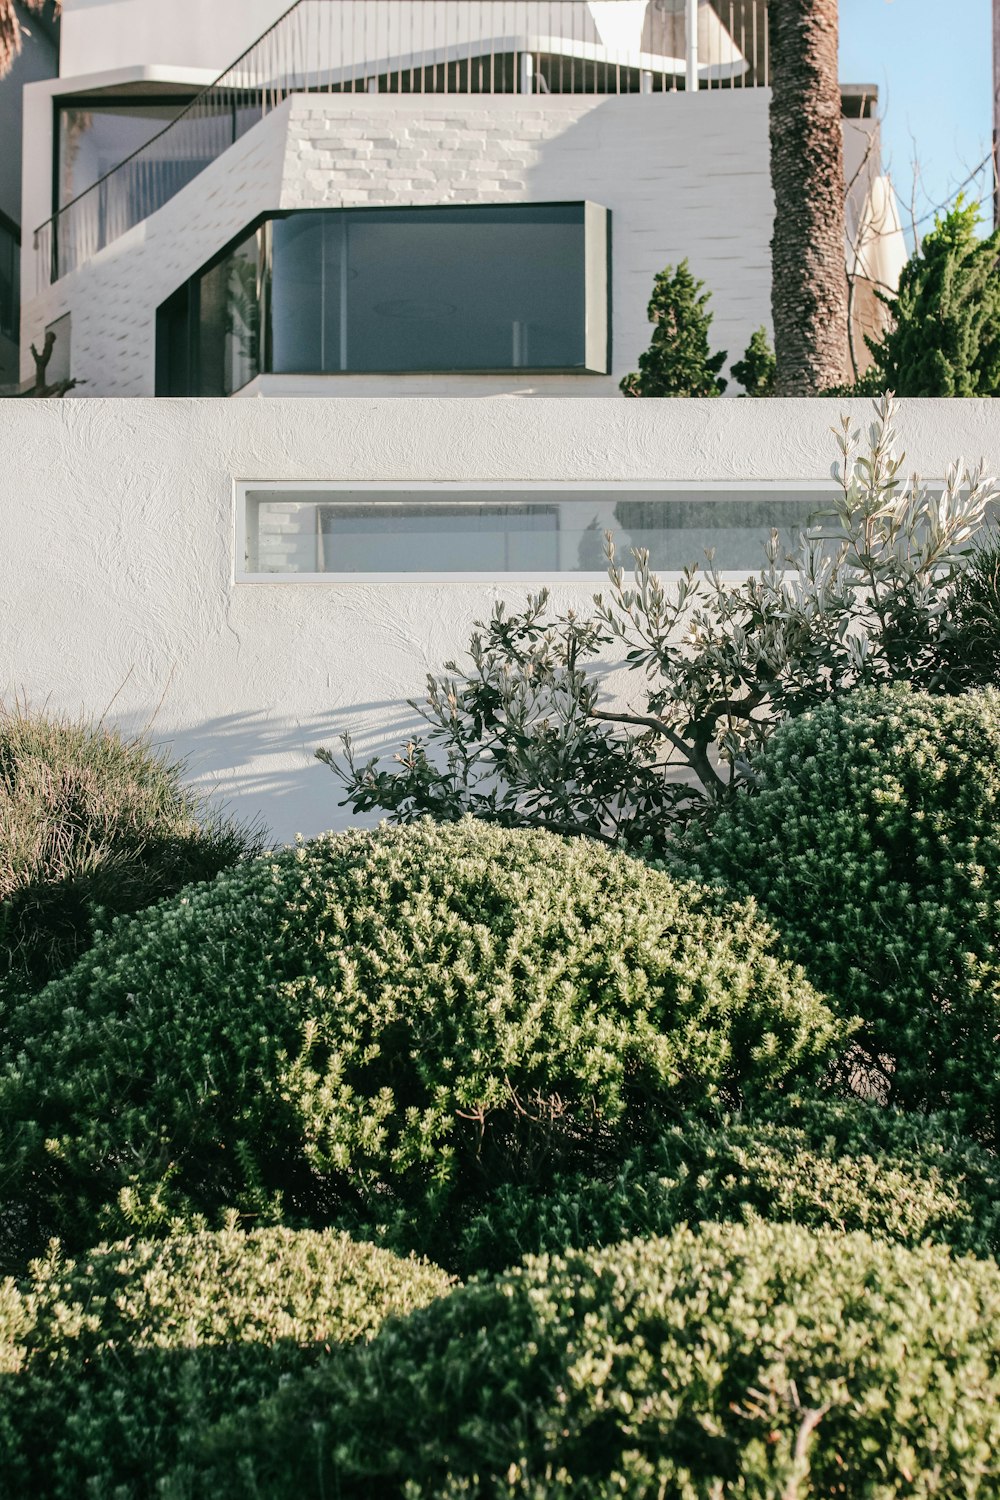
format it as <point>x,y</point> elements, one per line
<point>808,270</point>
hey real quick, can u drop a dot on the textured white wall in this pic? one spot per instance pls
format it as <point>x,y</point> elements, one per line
<point>116,574</point>
<point>682,176</point>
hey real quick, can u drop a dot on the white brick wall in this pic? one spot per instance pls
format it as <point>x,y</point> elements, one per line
<point>683,176</point>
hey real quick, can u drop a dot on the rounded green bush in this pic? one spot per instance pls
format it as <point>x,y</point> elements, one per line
<point>379,1028</point>
<point>92,824</point>
<point>848,1166</point>
<point>758,1361</point>
<point>872,838</point>
<point>113,1364</point>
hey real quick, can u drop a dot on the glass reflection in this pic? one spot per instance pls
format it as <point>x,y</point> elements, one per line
<point>480,532</point>
<point>429,289</point>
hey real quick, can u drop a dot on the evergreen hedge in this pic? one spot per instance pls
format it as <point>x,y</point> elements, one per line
<point>92,824</point>
<point>379,1029</point>
<point>847,1166</point>
<point>872,839</point>
<point>757,1361</point>
<point>114,1364</point>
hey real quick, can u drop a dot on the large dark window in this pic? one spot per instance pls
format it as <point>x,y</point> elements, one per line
<point>490,287</point>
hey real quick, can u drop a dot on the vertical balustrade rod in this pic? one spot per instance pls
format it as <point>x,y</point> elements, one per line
<point>691,44</point>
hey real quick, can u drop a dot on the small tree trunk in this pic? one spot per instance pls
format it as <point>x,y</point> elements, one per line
<point>808,270</point>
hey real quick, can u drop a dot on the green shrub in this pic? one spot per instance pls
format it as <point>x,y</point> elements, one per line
<point>873,839</point>
<point>678,361</point>
<point>756,1361</point>
<point>523,730</point>
<point>821,1163</point>
<point>758,367</point>
<point>972,650</point>
<point>114,1363</point>
<point>943,337</point>
<point>377,1029</point>
<point>91,825</point>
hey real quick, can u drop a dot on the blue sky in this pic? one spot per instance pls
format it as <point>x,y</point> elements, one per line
<point>932,62</point>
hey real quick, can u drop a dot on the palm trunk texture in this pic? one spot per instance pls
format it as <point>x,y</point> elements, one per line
<point>808,270</point>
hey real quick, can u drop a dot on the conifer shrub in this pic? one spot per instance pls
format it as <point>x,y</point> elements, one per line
<point>872,837</point>
<point>821,1163</point>
<point>678,361</point>
<point>763,1361</point>
<point>757,369</point>
<point>943,335</point>
<point>114,1363</point>
<point>92,824</point>
<point>379,1028</point>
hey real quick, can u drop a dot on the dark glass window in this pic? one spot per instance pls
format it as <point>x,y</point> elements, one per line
<point>208,333</point>
<point>490,287</point>
<point>429,289</point>
<point>10,279</point>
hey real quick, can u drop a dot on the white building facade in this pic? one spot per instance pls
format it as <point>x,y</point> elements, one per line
<point>367,197</point>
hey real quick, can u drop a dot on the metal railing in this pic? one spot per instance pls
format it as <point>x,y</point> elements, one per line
<point>414,46</point>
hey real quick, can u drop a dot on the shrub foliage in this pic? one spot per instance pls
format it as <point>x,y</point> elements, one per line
<point>91,825</point>
<point>943,337</point>
<point>821,1163</point>
<point>524,733</point>
<point>678,361</point>
<point>761,1361</point>
<point>114,1363</point>
<point>873,839</point>
<point>380,1028</point>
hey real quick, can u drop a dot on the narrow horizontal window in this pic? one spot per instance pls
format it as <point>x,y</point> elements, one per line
<point>327,532</point>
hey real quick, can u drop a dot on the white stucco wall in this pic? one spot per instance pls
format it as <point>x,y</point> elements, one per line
<point>682,176</point>
<point>116,574</point>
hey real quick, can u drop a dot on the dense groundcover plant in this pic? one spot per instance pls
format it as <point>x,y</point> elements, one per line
<point>113,1364</point>
<point>873,838</point>
<point>759,1361</point>
<point>378,1029</point>
<point>822,1163</point>
<point>92,824</point>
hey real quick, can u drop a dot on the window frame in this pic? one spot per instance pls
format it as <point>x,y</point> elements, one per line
<point>596,227</point>
<point>510,489</point>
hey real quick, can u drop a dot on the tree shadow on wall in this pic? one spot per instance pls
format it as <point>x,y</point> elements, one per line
<point>259,764</point>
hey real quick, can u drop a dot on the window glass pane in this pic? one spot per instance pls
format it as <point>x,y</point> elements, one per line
<point>307,292</point>
<point>10,274</point>
<point>95,138</point>
<point>479,288</point>
<point>546,532</point>
<point>228,328</point>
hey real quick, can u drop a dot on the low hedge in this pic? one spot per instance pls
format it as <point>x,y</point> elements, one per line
<point>92,824</point>
<point>760,1361</point>
<point>844,1166</point>
<point>872,839</point>
<point>379,1029</point>
<point>113,1364</point>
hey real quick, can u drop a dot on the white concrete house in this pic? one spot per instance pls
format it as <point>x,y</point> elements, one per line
<point>362,202</point>
<point>394,196</point>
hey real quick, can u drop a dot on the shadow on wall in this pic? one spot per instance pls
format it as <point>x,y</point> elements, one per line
<point>262,765</point>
